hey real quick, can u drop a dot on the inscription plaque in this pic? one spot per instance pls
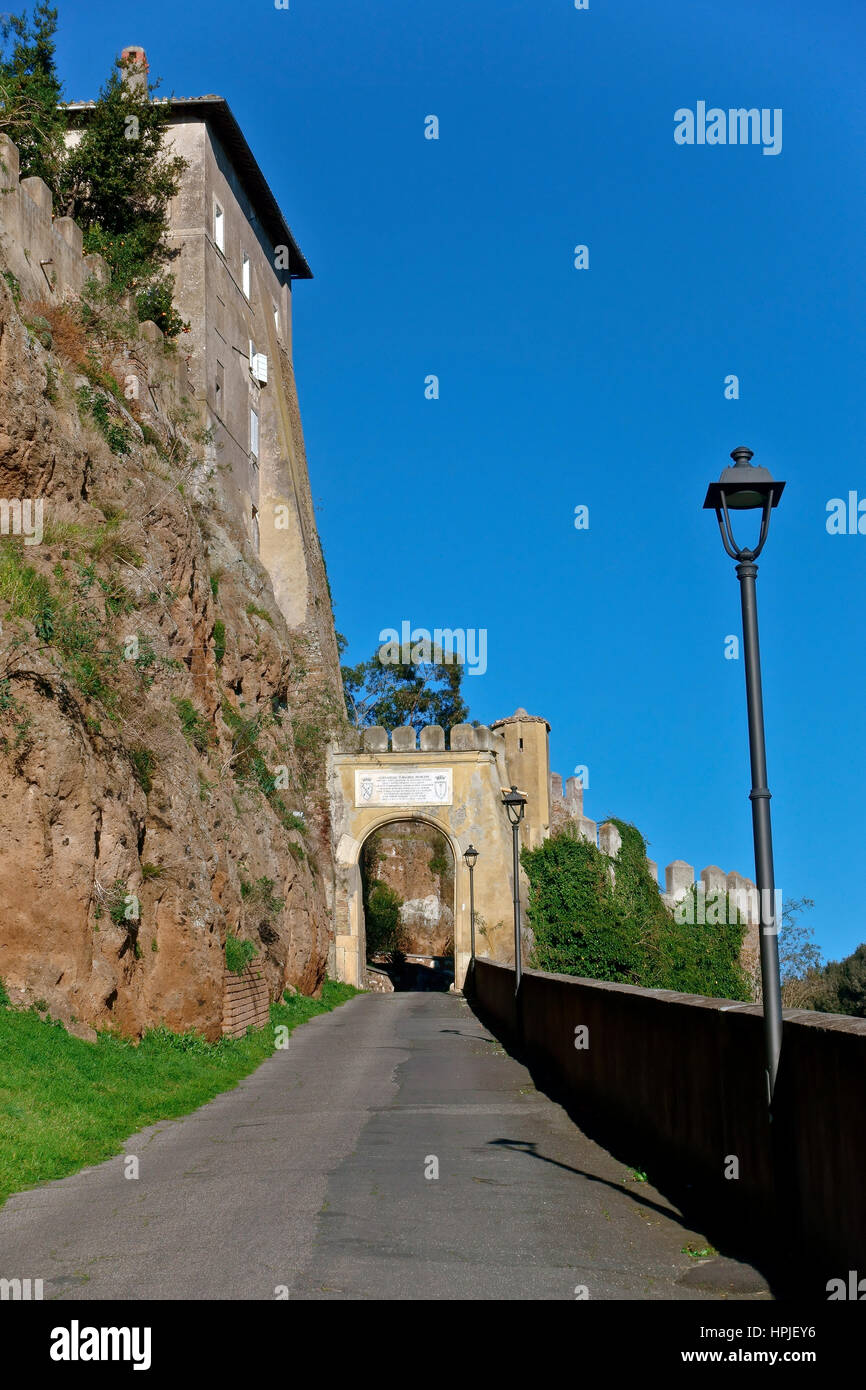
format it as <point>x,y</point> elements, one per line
<point>410,786</point>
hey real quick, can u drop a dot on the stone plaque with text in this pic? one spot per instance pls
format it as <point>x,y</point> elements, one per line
<point>405,786</point>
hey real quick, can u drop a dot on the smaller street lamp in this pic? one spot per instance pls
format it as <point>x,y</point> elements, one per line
<point>470,857</point>
<point>515,804</point>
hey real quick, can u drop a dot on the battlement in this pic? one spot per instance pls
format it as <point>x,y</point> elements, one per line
<point>45,254</point>
<point>566,809</point>
<point>463,738</point>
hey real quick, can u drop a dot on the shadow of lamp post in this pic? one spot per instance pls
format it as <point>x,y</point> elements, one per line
<point>746,487</point>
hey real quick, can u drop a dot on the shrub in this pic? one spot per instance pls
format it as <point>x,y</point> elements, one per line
<point>382,918</point>
<point>238,954</point>
<point>14,286</point>
<point>155,303</point>
<point>196,729</point>
<point>143,764</point>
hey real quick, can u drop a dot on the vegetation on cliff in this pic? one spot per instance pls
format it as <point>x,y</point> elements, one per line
<point>589,922</point>
<point>170,738</point>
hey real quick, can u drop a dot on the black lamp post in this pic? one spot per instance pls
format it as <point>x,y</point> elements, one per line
<point>470,857</point>
<point>747,488</point>
<point>515,803</point>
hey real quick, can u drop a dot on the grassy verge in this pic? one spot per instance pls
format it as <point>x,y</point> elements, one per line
<point>65,1103</point>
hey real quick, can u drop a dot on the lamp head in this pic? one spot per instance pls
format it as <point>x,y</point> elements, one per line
<point>514,803</point>
<point>743,487</point>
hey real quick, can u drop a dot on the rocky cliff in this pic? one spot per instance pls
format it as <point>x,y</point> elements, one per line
<point>163,741</point>
<point>416,861</point>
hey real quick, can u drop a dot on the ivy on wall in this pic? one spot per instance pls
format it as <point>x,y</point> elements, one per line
<point>616,927</point>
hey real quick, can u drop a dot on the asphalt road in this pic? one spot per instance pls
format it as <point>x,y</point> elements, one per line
<point>310,1180</point>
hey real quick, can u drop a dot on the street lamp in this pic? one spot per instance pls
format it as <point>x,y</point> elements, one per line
<point>470,856</point>
<point>515,803</point>
<point>747,488</point>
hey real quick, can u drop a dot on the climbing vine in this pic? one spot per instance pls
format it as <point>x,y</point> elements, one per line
<point>587,921</point>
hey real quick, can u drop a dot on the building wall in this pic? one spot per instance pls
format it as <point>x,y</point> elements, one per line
<point>271,493</point>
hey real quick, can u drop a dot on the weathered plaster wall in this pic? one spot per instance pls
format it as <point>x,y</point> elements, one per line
<point>477,760</point>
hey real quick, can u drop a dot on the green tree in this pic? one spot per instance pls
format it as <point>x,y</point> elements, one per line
<point>117,182</point>
<point>390,694</point>
<point>840,988</point>
<point>30,92</point>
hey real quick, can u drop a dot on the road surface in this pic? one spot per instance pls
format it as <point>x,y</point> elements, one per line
<point>316,1178</point>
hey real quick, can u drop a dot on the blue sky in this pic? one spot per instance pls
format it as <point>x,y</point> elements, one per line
<point>559,387</point>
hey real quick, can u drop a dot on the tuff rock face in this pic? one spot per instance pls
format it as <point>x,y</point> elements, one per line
<point>416,861</point>
<point>162,751</point>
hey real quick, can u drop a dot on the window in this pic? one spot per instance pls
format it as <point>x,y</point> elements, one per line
<point>258,365</point>
<point>255,519</point>
<point>245,274</point>
<point>219,228</point>
<point>218,388</point>
<point>254,434</point>
<point>277,317</point>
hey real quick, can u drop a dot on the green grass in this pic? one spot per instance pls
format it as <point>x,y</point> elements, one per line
<point>66,1103</point>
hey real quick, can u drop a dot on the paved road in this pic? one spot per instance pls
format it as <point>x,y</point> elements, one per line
<point>310,1177</point>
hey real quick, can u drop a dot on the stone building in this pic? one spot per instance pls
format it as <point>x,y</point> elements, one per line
<point>235,265</point>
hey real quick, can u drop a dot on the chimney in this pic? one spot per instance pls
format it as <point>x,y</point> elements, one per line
<point>135,76</point>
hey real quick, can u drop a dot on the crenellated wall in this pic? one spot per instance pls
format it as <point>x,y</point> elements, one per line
<point>44,252</point>
<point>566,808</point>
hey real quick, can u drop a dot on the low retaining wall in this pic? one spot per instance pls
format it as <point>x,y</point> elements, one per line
<point>246,1002</point>
<point>679,1079</point>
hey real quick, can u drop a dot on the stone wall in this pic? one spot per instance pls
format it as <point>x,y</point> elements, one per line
<point>44,252</point>
<point>246,1002</point>
<point>45,255</point>
<point>676,1082</point>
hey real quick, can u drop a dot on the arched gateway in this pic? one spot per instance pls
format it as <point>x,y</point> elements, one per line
<point>459,791</point>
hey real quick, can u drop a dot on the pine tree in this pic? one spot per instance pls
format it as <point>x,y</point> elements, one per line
<point>118,179</point>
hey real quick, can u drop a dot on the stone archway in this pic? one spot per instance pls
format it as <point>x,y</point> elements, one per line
<point>413,858</point>
<point>458,789</point>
